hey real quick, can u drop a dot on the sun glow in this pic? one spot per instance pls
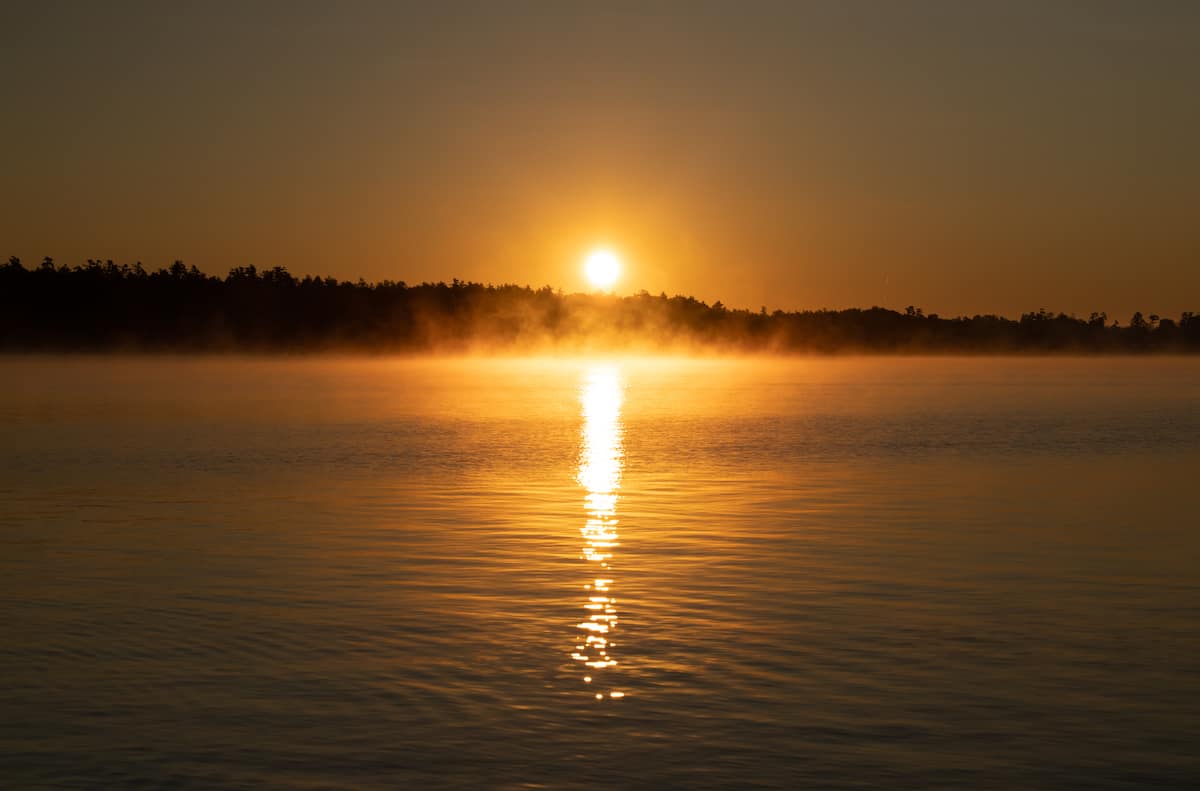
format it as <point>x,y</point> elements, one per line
<point>602,267</point>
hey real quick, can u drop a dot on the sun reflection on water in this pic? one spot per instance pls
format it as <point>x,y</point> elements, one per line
<point>600,461</point>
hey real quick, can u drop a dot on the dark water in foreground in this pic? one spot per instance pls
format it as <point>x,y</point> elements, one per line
<point>379,574</point>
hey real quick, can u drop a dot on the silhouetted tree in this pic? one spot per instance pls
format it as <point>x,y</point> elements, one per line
<point>102,305</point>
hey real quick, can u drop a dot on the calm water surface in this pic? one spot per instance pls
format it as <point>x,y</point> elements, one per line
<point>627,573</point>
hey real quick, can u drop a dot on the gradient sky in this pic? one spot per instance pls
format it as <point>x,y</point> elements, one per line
<point>962,156</point>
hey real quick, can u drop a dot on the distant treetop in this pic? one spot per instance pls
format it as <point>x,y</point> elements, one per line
<point>101,305</point>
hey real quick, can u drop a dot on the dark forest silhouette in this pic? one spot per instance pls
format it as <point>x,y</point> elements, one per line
<point>105,306</point>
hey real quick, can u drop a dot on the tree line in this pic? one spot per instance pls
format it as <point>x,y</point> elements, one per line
<point>104,306</point>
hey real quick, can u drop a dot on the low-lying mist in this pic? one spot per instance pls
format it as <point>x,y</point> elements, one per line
<point>106,307</point>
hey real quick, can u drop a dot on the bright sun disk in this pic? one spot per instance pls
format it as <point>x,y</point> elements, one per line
<point>602,268</point>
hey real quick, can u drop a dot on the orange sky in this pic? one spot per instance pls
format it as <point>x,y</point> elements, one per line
<point>959,156</point>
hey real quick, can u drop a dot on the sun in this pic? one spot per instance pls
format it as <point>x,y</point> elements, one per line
<point>603,267</point>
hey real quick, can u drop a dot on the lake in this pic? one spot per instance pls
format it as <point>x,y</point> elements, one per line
<point>366,573</point>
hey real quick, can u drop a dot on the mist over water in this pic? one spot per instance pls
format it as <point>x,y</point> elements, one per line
<point>382,573</point>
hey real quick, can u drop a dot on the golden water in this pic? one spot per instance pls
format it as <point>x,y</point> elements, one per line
<point>645,573</point>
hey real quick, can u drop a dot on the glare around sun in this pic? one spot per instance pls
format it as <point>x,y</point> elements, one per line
<point>602,267</point>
